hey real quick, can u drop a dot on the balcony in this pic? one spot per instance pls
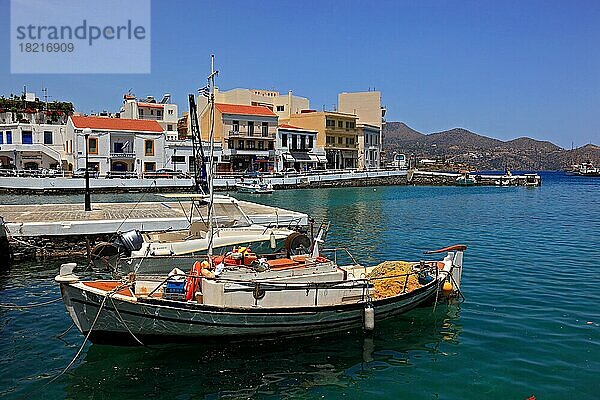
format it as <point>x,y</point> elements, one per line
<point>122,156</point>
<point>246,134</point>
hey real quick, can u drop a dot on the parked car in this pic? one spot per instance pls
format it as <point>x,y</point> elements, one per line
<point>164,173</point>
<point>80,173</point>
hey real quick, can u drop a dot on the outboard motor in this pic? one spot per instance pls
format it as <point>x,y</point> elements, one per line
<point>5,250</point>
<point>105,256</point>
<point>128,242</point>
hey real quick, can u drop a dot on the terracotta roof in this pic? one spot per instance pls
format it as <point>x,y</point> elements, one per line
<point>286,126</point>
<point>116,124</point>
<point>244,110</point>
<point>151,105</point>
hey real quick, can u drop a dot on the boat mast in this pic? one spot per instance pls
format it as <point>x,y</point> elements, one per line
<point>211,86</point>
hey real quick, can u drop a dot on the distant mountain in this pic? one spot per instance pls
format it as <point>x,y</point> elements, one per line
<point>399,132</point>
<point>462,146</point>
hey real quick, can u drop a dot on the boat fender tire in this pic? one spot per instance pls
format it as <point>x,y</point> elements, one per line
<point>297,243</point>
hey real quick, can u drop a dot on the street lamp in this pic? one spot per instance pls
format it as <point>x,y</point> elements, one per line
<point>88,202</point>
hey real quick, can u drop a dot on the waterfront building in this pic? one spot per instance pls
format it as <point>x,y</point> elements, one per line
<point>371,113</point>
<point>369,146</point>
<point>337,133</point>
<point>297,148</point>
<point>179,155</point>
<point>163,112</point>
<point>33,133</point>
<point>283,105</point>
<point>247,136</point>
<point>117,144</point>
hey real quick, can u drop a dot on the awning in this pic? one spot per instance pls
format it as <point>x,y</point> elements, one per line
<point>288,157</point>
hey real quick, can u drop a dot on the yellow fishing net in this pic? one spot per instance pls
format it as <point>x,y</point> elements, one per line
<point>387,287</point>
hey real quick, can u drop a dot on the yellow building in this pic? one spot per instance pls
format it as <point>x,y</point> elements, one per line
<point>337,133</point>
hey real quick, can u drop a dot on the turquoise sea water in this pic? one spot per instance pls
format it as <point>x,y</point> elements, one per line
<point>530,324</point>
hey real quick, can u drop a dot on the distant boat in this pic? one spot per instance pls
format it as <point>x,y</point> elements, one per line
<point>255,186</point>
<point>588,169</point>
<point>465,179</point>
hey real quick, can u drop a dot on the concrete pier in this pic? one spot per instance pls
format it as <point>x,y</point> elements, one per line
<point>35,220</point>
<point>66,230</point>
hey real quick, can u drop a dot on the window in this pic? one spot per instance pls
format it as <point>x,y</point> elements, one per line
<point>230,144</point>
<point>280,108</point>
<point>302,142</point>
<point>151,112</point>
<point>284,140</point>
<point>340,124</point>
<point>367,139</point>
<point>250,144</point>
<point>240,145</point>
<point>340,140</point>
<point>310,142</point>
<point>329,140</point>
<point>159,113</point>
<point>265,129</point>
<point>236,126</point>
<point>92,145</point>
<point>47,137</point>
<point>118,147</point>
<point>294,142</point>
<point>352,125</point>
<point>1,137</point>
<point>149,147</point>
<point>261,145</point>
<point>347,125</point>
<point>330,123</point>
<point>270,145</point>
<point>8,137</point>
<point>169,127</point>
<point>170,112</point>
<point>250,128</point>
<point>26,137</point>
<point>141,112</point>
<point>149,166</point>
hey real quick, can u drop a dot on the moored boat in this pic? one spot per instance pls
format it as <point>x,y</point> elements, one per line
<point>295,296</point>
<point>254,186</point>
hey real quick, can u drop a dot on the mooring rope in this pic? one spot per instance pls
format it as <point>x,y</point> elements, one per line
<point>124,323</point>
<point>26,306</point>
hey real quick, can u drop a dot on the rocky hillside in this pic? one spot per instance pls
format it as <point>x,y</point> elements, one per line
<point>462,146</point>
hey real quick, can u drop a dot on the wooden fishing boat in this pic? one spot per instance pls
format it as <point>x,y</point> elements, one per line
<point>300,295</point>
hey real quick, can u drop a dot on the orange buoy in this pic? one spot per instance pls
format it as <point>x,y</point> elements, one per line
<point>447,288</point>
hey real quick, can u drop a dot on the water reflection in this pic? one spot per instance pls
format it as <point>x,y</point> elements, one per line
<point>285,369</point>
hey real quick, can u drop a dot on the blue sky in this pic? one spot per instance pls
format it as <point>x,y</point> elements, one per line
<point>500,68</point>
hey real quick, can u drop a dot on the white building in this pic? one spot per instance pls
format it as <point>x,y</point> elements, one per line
<point>117,144</point>
<point>33,133</point>
<point>163,112</point>
<point>180,155</point>
<point>369,146</point>
<point>297,148</point>
<point>33,146</point>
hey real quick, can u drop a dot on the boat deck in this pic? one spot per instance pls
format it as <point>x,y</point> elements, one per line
<point>34,220</point>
